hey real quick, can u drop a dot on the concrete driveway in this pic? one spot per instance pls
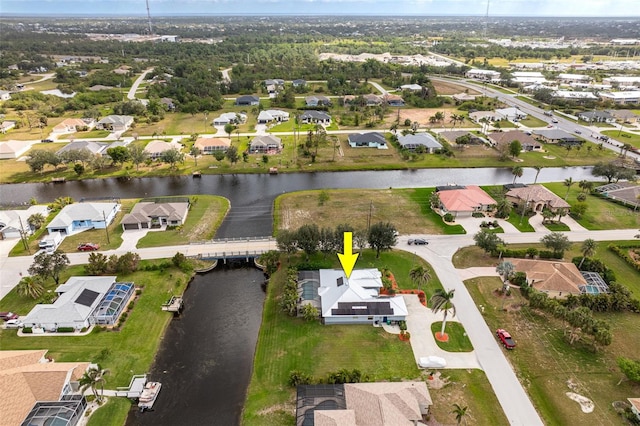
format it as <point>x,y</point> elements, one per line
<point>422,341</point>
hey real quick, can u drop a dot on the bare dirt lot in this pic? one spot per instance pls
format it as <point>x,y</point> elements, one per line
<point>421,115</point>
<point>446,88</point>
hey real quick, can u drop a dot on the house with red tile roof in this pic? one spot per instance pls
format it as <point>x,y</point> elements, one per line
<point>463,202</point>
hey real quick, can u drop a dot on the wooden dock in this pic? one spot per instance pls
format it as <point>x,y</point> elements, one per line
<point>196,174</point>
<point>58,180</point>
<point>273,170</point>
<point>175,304</point>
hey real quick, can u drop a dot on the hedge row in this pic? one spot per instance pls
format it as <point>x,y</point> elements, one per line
<point>623,252</point>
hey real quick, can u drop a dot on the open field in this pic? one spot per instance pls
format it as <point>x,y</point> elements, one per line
<point>286,344</point>
<point>24,133</point>
<point>546,364</point>
<point>353,207</point>
<point>450,88</point>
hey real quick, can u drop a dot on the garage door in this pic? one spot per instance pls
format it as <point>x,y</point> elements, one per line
<point>130,226</point>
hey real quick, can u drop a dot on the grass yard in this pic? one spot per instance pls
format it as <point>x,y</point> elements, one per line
<point>520,222</point>
<point>85,135</point>
<point>601,213</point>
<point>545,362</point>
<point>204,219</point>
<point>624,137</point>
<point>532,121</point>
<point>323,207</point>
<point>175,123</point>
<point>458,340</point>
<point>556,226</point>
<point>113,413</point>
<point>26,133</point>
<point>128,351</point>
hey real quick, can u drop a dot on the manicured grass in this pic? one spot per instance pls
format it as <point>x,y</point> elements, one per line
<point>471,256</point>
<point>458,340</point>
<point>128,351</point>
<point>544,361</point>
<point>86,135</point>
<point>204,219</point>
<point>422,196</point>
<point>624,137</point>
<point>532,102</point>
<point>113,413</point>
<point>601,213</point>
<point>556,226</point>
<point>532,121</point>
<point>520,222</point>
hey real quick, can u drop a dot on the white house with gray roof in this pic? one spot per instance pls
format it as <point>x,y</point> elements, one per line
<point>115,123</point>
<point>146,215</point>
<point>78,217</point>
<point>368,140</point>
<point>318,117</point>
<point>426,140</point>
<point>94,148</point>
<point>266,144</point>
<point>13,222</point>
<point>270,115</point>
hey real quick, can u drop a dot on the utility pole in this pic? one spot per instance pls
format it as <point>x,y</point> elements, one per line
<point>106,227</point>
<point>23,237</point>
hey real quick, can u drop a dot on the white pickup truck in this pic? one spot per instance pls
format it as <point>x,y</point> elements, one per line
<point>51,242</point>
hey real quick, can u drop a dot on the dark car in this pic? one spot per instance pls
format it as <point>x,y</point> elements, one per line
<point>47,140</point>
<point>505,338</point>
<point>88,247</point>
<point>418,241</point>
<point>8,316</point>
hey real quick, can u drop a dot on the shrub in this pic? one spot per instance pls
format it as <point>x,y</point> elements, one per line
<point>448,217</point>
<point>65,329</point>
<point>297,377</point>
<point>477,214</point>
<point>27,330</point>
<point>519,279</point>
<point>403,325</point>
<point>546,254</point>
<point>532,252</point>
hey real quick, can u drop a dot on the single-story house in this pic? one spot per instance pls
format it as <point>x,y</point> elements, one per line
<point>635,406</point>
<point>147,215</point>
<point>168,102</point>
<point>247,100</point>
<point>100,87</point>
<point>556,278</point>
<point>278,82</point>
<point>537,198</point>
<point>78,217</point>
<point>463,202</point>
<point>42,391</point>
<point>317,100</point>
<point>230,118</point>
<point>266,144</point>
<point>512,114</point>
<point>371,100</point>
<point>368,140</point>
<point>211,145</point>
<point>5,95</point>
<point>557,136</point>
<point>463,97</point>
<point>363,404</point>
<point>7,125</point>
<point>115,123</point>
<point>411,87</point>
<point>95,148</point>
<point>596,116</point>
<point>71,125</point>
<point>156,148</point>
<point>393,100</point>
<point>299,82</point>
<point>624,115</point>
<point>486,75</point>
<point>574,95</point>
<point>14,149</point>
<point>267,116</point>
<point>621,98</point>
<point>500,140</point>
<point>82,302</point>
<point>479,116</point>
<point>13,222</point>
<point>318,117</point>
<point>426,140</point>
<point>353,300</point>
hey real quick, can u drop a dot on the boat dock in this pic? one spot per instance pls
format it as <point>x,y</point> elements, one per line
<point>175,304</point>
<point>149,395</point>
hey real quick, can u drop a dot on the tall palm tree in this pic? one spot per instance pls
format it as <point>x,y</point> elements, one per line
<point>419,275</point>
<point>568,183</point>
<point>441,301</point>
<point>517,172</point>
<point>36,220</point>
<point>505,269</point>
<point>91,379</point>
<point>460,412</point>
<point>30,286</point>
<point>537,169</point>
<point>588,249</point>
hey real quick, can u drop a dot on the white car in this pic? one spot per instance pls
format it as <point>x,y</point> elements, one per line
<point>432,362</point>
<point>14,323</point>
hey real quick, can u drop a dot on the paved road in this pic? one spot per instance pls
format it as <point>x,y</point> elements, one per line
<point>139,80</point>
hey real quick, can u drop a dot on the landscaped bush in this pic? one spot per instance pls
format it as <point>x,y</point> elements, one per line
<point>402,324</point>
<point>477,214</point>
<point>519,279</point>
<point>595,265</point>
<point>532,252</point>
<point>448,217</point>
<point>623,252</point>
<point>297,377</point>
<point>27,330</point>
<point>65,329</point>
<point>546,254</point>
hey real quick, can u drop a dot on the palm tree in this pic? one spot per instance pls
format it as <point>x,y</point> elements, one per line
<point>505,269</point>
<point>588,249</point>
<point>585,185</point>
<point>91,379</point>
<point>441,301</point>
<point>30,286</point>
<point>36,220</point>
<point>568,183</point>
<point>537,169</point>
<point>517,172</point>
<point>195,151</point>
<point>460,412</point>
<point>420,275</point>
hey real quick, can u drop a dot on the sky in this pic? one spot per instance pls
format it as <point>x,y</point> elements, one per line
<point>543,8</point>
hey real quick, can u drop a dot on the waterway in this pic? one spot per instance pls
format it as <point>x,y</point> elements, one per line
<point>206,356</point>
<point>252,195</point>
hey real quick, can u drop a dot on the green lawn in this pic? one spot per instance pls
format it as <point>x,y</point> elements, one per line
<point>422,196</point>
<point>601,213</point>
<point>128,351</point>
<point>624,137</point>
<point>520,222</point>
<point>204,219</point>
<point>113,413</point>
<point>90,134</point>
<point>556,226</point>
<point>458,340</point>
<point>532,121</point>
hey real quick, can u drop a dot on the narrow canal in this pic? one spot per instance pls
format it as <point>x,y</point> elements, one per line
<point>205,359</point>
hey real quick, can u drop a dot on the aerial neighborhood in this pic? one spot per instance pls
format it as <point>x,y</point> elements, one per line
<point>304,221</point>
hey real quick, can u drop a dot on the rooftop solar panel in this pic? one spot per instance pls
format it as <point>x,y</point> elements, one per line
<point>87,297</point>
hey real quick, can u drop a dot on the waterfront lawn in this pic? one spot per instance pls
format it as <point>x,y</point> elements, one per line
<point>406,209</point>
<point>203,220</point>
<point>113,413</point>
<point>601,213</point>
<point>545,362</point>
<point>458,340</point>
<point>126,352</point>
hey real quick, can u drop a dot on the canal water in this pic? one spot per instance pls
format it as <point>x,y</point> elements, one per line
<point>205,359</point>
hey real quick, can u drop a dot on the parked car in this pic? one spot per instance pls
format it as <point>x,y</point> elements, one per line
<point>47,140</point>
<point>432,362</point>
<point>88,247</point>
<point>578,132</point>
<point>505,338</point>
<point>14,323</point>
<point>418,241</point>
<point>8,316</point>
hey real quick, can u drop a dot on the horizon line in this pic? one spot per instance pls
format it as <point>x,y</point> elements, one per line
<point>188,15</point>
